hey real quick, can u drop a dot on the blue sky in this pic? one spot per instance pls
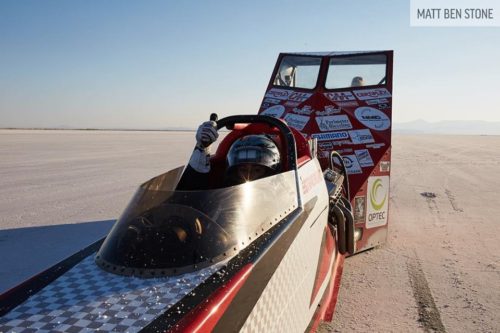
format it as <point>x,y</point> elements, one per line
<point>155,64</point>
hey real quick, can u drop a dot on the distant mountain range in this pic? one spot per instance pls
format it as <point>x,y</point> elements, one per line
<point>467,127</point>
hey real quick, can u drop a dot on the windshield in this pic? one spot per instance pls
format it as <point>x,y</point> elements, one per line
<point>168,232</point>
<point>298,72</point>
<point>356,71</point>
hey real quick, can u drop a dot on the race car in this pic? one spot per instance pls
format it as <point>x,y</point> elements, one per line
<point>265,255</point>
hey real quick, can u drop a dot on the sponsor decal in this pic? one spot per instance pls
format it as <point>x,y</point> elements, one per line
<point>272,100</point>
<point>384,106</point>
<point>299,96</point>
<point>361,136</point>
<point>275,111</point>
<point>344,151</point>
<point>372,118</point>
<point>340,96</point>
<point>349,104</point>
<point>364,158</point>
<point>280,94</point>
<point>310,181</point>
<point>329,110</point>
<point>297,121</point>
<point>363,95</point>
<point>352,164</point>
<point>377,101</point>
<point>375,145</point>
<point>292,104</point>
<point>264,105</point>
<point>306,110</point>
<point>359,208</point>
<point>331,136</point>
<point>378,201</point>
<point>342,143</point>
<point>333,123</point>
<point>325,145</point>
<point>385,166</point>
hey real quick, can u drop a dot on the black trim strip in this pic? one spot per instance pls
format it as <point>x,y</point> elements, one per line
<point>251,254</point>
<point>17,295</point>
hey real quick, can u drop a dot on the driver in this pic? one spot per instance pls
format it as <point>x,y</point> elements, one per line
<point>250,157</point>
<point>357,81</point>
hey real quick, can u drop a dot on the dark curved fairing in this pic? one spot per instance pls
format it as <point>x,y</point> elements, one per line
<point>167,232</point>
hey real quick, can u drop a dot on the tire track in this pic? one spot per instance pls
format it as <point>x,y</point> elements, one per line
<point>428,313</point>
<point>453,202</point>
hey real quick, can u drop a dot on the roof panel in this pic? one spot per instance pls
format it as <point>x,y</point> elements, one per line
<point>332,53</point>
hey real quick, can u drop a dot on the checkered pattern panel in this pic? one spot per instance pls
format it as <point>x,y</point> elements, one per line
<point>88,299</point>
<point>284,304</point>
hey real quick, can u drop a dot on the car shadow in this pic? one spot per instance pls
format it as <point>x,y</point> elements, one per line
<point>25,252</point>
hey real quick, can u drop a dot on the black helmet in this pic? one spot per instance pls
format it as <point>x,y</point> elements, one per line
<point>255,149</point>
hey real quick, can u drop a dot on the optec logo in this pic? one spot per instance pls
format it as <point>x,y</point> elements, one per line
<point>378,195</point>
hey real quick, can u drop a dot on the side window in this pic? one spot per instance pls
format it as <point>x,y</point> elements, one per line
<point>356,71</point>
<point>298,72</point>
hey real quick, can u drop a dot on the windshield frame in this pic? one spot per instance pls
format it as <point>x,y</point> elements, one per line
<point>277,70</point>
<point>327,71</point>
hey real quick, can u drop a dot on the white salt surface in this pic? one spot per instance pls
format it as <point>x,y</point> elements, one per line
<point>62,190</point>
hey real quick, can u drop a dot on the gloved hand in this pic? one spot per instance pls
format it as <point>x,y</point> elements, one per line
<point>206,134</point>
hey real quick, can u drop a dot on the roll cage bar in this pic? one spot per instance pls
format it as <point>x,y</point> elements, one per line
<point>289,139</point>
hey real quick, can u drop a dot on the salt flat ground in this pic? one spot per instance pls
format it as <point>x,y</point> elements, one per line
<point>440,271</point>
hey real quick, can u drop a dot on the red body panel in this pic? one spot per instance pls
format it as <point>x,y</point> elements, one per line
<point>205,316</point>
<point>325,258</point>
<point>329,300</point>
<point>356,122</point>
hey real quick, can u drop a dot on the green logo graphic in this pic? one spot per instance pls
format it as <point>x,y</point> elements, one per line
<point>373,195</point>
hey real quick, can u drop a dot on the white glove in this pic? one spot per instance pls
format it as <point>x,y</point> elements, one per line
<point>206,134</point>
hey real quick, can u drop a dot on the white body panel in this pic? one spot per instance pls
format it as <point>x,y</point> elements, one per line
<point>284,306</point>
